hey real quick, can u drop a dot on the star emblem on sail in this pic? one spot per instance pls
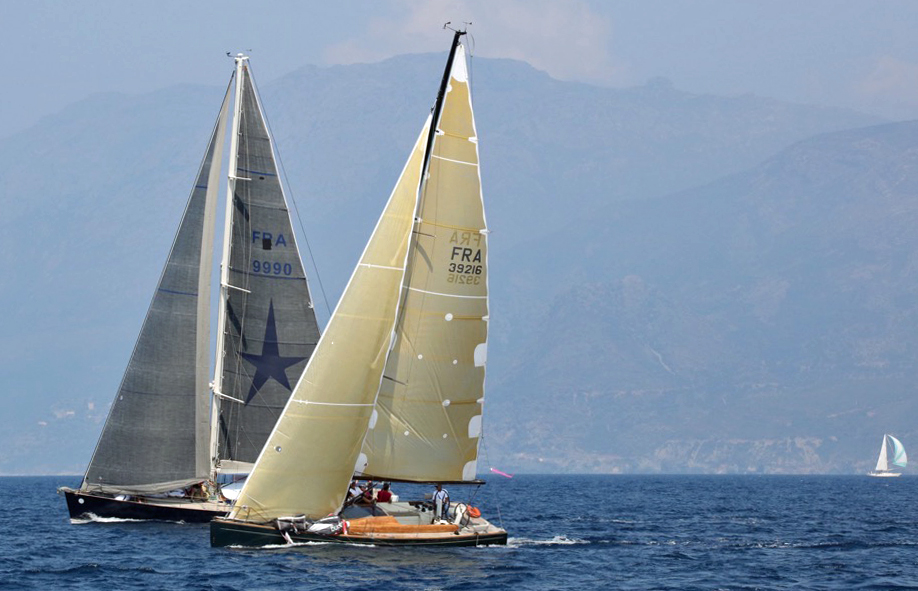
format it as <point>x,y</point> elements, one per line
<point>270,364</point>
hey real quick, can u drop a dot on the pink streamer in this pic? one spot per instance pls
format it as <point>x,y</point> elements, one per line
<point>496,471</point>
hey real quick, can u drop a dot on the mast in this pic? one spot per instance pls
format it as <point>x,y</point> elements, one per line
<point>437,110</point>
<point>241,60</point>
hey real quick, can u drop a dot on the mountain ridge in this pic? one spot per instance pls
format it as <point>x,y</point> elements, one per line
<point>94,193</point>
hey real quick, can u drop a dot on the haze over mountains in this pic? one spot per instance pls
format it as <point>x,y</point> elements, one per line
<point>679,282</point>
<point>764,322</point>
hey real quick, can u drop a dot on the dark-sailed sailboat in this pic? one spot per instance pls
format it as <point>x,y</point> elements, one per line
<point>395,388</point>
<point>172,440</point>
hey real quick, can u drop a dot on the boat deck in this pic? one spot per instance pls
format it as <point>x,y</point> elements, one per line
<point>385,524</point>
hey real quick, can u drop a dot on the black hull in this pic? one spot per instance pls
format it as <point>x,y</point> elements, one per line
<point>81,505</point>
<point>224,532</point>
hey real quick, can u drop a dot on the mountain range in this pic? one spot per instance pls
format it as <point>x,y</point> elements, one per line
<point>680,282</point>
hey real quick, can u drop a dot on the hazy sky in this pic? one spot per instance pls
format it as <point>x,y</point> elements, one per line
<point>859,54</point>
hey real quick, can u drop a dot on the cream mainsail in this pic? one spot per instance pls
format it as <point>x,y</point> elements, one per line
<point>430,403</point>
<point>395,386</point>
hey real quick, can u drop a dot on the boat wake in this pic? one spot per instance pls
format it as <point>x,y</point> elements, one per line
<point>296,545</point>
<point>93,518</point>
<point>555,541</point>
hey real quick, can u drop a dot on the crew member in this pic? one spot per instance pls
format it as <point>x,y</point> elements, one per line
<point>441,497</point>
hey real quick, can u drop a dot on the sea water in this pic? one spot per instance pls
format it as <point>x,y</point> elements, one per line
<point>566,532</point>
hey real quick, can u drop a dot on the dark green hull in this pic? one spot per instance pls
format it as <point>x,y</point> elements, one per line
<point>224,532</point>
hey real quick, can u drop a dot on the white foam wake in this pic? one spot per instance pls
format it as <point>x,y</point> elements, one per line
<point>93,518</point>
<point>295,545</point>
<point>555,541</point>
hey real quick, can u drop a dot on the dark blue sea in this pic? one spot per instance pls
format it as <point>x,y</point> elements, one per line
<point>566,532</point>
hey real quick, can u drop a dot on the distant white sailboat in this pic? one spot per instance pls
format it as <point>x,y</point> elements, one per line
<point>899,458</point>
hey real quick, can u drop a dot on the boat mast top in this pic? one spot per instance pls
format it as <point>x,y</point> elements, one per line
<point>438,107</point>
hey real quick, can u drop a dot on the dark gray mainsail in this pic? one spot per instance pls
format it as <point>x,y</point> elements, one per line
<point>157,434</point>
<point>269,326</point>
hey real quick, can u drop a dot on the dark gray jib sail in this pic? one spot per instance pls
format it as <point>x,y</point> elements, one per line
<point>268,323</point>
<point>156,437</point>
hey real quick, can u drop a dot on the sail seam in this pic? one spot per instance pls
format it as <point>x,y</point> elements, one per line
<point>256,172</point>
<point>371,266</point>
<point>456,135</point>
<point>187,293</point>
<point>460,228</point>
<point>253,274</point>
<point>448,295</point>
<point>453,160</point>
<point>307,402</point>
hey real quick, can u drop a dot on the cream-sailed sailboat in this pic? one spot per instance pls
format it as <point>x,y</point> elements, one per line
<point>172,438</point>
<point>395,388</point>
<point>899,458</point>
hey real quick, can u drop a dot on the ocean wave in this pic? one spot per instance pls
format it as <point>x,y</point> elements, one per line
<point>91,567</point>
<point>555,541</point>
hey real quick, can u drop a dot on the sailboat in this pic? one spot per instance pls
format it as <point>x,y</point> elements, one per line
<point>173,438</point>
<point>395,388</point>
<point>899,458</point>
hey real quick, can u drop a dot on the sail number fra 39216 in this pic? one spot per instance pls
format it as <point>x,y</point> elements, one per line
<point>465,259</point>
